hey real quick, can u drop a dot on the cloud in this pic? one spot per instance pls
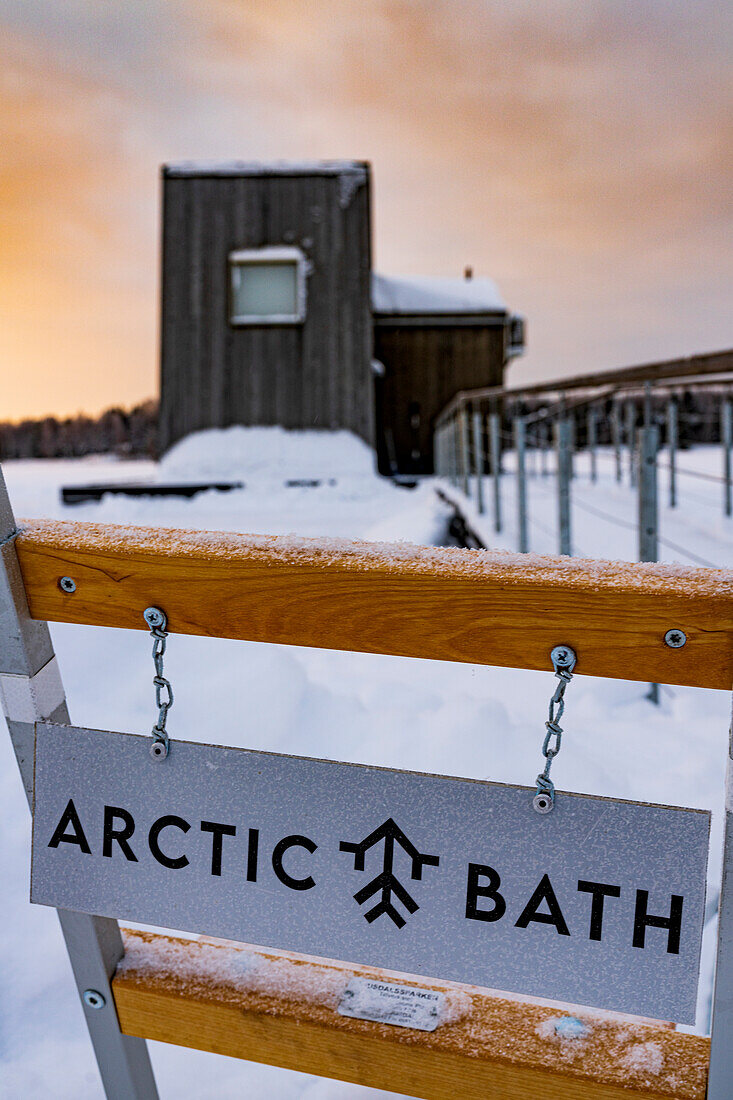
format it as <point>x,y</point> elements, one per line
<point>576,151</point>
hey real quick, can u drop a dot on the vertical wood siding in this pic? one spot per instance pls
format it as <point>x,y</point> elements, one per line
<point>313,375</point>
<point>426,366</point>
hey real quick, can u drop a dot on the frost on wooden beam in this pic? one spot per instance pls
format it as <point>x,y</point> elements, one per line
<point>281,1009</point>
<point>478,606</point>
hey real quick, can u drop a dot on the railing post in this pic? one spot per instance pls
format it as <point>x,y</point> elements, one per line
<point>630,413</point>
<point>592,442</point>
<point>455,450</point>
<point>544,433</point>
<point>726,433</point>
<point>495,447</point>
<point>648,507</point>
<point>720,1075</point>
<point>616,437</point>
<point>672,449</point>
<point>647,404</point>
<point>520,441</point>
<point>465,457</point>
<point>563,484</point>
<point>33,692</point>
<point>478,459</point>
<point>648,521</point>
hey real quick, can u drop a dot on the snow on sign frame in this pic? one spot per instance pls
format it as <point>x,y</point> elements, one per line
<point>600,903</point>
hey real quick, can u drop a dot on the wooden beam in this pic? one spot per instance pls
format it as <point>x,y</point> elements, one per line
<point>689,368</point>
<point>686,372</point>
<point>477,606</point>
<point>281,1010</point>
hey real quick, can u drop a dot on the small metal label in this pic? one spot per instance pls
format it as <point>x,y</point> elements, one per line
<point>386,1003</point>
<point>599,903</point>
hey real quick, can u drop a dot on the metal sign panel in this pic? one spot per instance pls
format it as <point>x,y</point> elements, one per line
<point>598,903</point>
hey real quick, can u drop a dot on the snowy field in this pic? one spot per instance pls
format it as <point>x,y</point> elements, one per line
<point>436,717</point>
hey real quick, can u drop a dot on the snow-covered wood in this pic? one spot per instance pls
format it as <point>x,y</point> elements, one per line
<point>281,1009</point>
<point>482,607</point>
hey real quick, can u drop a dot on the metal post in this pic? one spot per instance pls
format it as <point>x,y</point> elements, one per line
<point>720,1075</point>
<point>592,442</point>
<point>457,450</point>
<point>454,449</point>
<point>563,484</point>
<point>495,447</point>
<point>647,404</point>
<point>465,457</point>
<point>672,449</point>
<point>520,441</point>
<point>648,525</point>
<point>726,433</point>
<point>648,509</point>
<point>616,437</point>
<point>544,431</point>
<point>478,459</point>
<point>573,442</point>
<point>630,412</point>
<point>32,692</point>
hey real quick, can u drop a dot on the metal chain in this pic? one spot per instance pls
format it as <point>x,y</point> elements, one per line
<point>563,662</point>
<point>156,620</point>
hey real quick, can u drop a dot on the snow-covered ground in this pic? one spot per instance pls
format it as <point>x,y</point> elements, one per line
<point>437,717</point>
<point>604,520</point>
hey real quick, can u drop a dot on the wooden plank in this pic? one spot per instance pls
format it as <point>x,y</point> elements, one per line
<point>281,1010</point>
<point>476,606</point>
<point>691,366</point>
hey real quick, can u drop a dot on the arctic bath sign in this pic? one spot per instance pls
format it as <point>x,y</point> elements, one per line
<point>599,903</point>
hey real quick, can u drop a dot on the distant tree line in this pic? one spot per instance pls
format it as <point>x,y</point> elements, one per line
<point>125,432</point>
<point>134,432</point>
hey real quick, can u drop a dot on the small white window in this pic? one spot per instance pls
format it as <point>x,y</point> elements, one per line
<point>267,286</point>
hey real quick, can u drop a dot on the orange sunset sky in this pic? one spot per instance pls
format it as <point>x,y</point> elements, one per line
<point>577,151</point>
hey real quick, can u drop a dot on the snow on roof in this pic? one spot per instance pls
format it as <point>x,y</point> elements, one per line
<point>266,168</point>
<point>416,294</point>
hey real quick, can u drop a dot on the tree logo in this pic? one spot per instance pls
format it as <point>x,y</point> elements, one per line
<point>386,881</point>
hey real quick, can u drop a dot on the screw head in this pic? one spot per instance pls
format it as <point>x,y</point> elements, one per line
<point>67,584</point>
<point>675,639</point>
<point>93,998</point>
<point>563,656</point>
<point>542,803</point>
<point>158,750</point>
<point>154,616</point>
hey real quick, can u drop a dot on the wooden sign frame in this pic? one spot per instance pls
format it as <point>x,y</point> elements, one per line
<point>492,609</point>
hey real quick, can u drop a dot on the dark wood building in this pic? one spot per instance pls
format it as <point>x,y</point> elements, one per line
<point>266,311</point>
<point>432,338</point>
<point>271,315</point>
